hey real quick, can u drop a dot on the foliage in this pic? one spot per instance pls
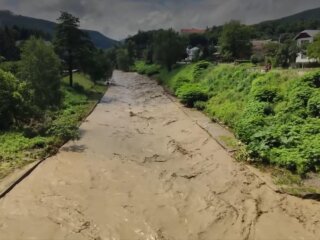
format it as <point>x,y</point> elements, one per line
<point>169,47</point>
<point>286,54</point>
<point>289,25</point>
<point>123,60</point>
<point>19,147</point>
<point>12,66</point>
<point>314,104</point>
<point>235,41</point>
<point>10,98</point>
<point>70,42</point>
<point>314,48</point>
<point>149,69</point>
<point>276,114</point>
<point>98,66</point>
<point>191,93</point>
<point>17,150</point>
<point>281,54</point>
<point>40,68</point>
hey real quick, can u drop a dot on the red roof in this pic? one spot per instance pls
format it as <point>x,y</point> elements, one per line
<point>192,30</point>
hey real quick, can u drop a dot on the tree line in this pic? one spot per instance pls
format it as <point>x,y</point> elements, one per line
<point>11,36</point>
<point>30,83</point>
<point>227,43</point>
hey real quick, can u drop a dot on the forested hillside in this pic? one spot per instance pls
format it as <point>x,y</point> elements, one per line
<point>9,19</point>
<point>292,25</point>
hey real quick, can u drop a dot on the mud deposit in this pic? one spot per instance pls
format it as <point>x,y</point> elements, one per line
<point>143,170</point>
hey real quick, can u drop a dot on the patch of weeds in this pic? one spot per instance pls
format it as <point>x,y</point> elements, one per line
<point>230,142</point>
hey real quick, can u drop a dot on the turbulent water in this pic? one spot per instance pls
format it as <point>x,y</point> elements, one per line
<point>143,170</point>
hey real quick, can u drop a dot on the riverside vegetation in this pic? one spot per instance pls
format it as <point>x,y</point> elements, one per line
<point>39,108</point>
<point>42,137</point>
<point>275,114</point>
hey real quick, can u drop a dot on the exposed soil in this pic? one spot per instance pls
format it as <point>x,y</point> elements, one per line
<point>143,170</point>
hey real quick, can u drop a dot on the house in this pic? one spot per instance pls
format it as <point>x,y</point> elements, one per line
<point>193,54</point>
<point>259,46</point>
<point>303,38</point>
<point>188,31</point>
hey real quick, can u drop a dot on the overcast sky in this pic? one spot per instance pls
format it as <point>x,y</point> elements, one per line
<point>120,18</point>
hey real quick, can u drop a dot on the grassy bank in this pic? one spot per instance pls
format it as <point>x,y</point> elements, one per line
<point>275,114</point>
<point>21,146</point>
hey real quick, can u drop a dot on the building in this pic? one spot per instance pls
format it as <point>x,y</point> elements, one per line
<point>259,46</point>
<point>193,54</point>
<point>188,31</point>
<point>303,38</point>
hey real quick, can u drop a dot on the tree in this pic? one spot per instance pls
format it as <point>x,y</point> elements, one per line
<point>314,48</point>
<point>9,97</point>
<point>69,40</point>
<point>123,60</point>
<point>169,47</point>
<point>40,69</point>
<point>286,54</point>
<point>196,40</point>
<point>99,66</point>
<point>235,41</point>
<point>8,48</point>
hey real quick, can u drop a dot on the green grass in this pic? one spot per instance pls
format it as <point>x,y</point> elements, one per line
<point>230,142</point>
<point>275,114</point>
<point>17,149</point>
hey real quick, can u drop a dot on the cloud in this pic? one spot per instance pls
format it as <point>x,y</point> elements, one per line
<point>120,18</point>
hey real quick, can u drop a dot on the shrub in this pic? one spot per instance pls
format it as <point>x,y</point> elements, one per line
<point>79,88</point>
<point>181,80</point>
<point>123,60</point>
<point>198,69</point>
<point>200,105</point>
<point>149,69</point>
<point>252,120</point>
<point>191,93</point>
<point>314,105</point>
<point>40,68</point>
<point>266,94</point>
<point>12,67</point>
<point>257,58</point>
<point>10,99</point>
<point>275,114</point>
<point>312,79</point>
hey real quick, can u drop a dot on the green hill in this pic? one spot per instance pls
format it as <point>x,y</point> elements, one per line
<point>313,14</point>
<point>292,25</point>
<point>7,18</point>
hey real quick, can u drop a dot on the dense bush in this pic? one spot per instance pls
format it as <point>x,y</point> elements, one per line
<point>10,97</point>
<point>148,69</point>
<point>40,68</point>
<point>123,60</point>
<point>198,69</point>
<point>41,136</point>
<point>266,94</point>
<point>12,67</point>
<point>276,114</point>
<point>191,93</point>
<point>99,66</point>
<point>314,105</point>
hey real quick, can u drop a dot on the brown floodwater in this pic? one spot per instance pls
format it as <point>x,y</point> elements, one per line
<point>143,170</point>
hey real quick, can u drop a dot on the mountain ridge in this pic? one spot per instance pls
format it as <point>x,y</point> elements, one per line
<point>8,18</point>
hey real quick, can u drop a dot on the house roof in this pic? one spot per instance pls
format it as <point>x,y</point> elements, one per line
<point>193,30</point>
<point>259,45</point>
<point>307,33</point>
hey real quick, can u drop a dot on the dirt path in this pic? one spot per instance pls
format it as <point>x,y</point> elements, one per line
<point>144,171</point>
